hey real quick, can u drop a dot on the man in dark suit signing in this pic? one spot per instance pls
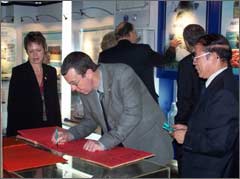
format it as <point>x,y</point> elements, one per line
<point>138,56</point>
<point>127,114</point>
<point>211,137</point>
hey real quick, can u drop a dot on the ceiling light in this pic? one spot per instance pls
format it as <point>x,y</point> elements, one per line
<point>38,2</point>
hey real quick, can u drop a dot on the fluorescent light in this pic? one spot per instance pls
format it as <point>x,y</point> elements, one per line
<point>38,2</point>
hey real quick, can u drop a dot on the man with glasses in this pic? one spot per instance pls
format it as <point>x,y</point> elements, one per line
<point>211,137</point>
<point>126,112</point>
<point>189,85</point>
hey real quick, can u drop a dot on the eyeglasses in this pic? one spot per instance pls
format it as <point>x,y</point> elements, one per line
<point>195,58</point>
<point>74,83</point>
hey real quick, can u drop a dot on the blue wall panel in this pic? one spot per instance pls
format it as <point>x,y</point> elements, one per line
<point>214,17</point>
<point>165,83</point>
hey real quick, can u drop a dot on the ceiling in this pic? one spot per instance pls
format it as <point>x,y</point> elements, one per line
<point>28,3</point>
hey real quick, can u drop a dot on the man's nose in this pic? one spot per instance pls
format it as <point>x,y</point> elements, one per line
<point>73,88</point>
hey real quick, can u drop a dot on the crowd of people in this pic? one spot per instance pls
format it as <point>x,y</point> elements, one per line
<point>118,94</point>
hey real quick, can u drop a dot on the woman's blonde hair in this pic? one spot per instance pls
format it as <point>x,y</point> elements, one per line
<point>108,41</point>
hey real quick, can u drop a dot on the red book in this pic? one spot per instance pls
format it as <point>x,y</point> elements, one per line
<point>21,157</point>
<point>112,158</point>
<point>9,141</point>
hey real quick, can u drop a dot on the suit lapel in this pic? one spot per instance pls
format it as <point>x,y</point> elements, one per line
<point>107,83</point>
<point>33,79</point>
<point>94,102</point>
<point>210,90</point>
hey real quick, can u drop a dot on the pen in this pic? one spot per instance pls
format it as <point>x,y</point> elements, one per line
<point>56,136</point>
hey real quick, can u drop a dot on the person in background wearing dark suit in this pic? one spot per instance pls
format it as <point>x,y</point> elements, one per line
<point>138,56</point>
<point>33,98</point>
<point>209,140</point>
<point>188,84</point>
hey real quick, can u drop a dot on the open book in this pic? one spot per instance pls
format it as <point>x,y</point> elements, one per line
<point>112,158</point>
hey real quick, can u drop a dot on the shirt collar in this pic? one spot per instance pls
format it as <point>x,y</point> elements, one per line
<point>211,78</point>
<point>100,88</point>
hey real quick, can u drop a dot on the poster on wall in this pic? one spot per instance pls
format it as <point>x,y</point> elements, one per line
<point>53,58</point>
<point>230,29</point>
<point>8,50</point>
<point>90,40</point>
<point>179,14</point>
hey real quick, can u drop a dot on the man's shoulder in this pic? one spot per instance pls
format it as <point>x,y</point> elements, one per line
<point>144,46</point>
<point>114,66</point>
<point>187,60</point>
<point>118,69</point>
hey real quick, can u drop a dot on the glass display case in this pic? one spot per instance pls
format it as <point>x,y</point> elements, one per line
<point>77,168</point>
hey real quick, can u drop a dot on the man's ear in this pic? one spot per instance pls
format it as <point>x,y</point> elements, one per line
<point>89,73</point>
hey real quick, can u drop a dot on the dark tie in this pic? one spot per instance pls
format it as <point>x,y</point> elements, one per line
<point>203,90</point>
<point>101,97</point>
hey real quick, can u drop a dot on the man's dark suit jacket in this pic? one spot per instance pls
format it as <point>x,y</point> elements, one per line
<point>25,105</point>
<point>213,130</point>
<point>141,58</point>
<point>189,87</point>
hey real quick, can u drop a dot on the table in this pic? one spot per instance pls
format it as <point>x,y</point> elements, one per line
<point>77,168</point>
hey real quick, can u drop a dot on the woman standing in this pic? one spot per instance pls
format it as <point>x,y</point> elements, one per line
<point>33,99</point>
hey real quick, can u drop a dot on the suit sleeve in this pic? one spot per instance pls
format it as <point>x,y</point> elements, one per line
<point>130,92</point>
<point>14,99</point>
<point>86,126</point>
<point>56,106</point>
<point>222,127</point>
<point>158,60</point>
<point>184,94</point>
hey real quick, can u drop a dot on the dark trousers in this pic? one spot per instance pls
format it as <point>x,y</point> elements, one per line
<point>235,173</point>
<point>178,150</point>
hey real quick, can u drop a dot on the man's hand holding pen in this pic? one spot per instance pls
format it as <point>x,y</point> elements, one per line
<point>179,132</point>
<point>61,137</point>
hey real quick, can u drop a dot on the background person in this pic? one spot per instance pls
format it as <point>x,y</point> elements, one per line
<point>209,141</point>
<point>33,99</point>
<point>138,56</point>
<point>132,118</point>
<point>109,40</point>
<point>189,85</point>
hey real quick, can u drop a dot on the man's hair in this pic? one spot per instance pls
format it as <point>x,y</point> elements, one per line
<point>79,61</point>
<point>123,29</point>
<point>216,43</point>
<point>36,37</point>
<point>108,41</point>
<point>192,32</point>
